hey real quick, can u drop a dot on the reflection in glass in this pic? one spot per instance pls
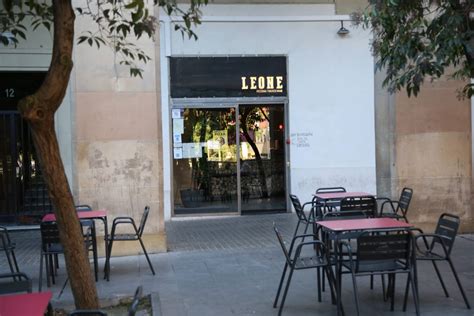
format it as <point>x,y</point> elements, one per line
<point>205,161</point>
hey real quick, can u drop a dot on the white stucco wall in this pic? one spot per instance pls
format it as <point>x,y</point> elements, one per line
<point>330,84</point>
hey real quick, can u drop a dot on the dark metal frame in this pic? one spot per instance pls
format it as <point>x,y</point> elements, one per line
<point>9,248</point>
<point>439,249</point>
<point>399,208</point>
<point>295,261</point>
<point>127,237</point>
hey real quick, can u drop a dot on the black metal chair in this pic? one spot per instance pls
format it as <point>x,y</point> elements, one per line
<point>296,261</point>
<point>137,235</point>
<point>91,312</point>
<point>50,249</point>
<point>397,209</point>
<point>364,206</point>
<point>9,248</point>
<point>330,205</point>
<point>90,224</point>
<point>304,219</point>
<point>439,249</point>
<point>378,253</point>
<point>14,283</point>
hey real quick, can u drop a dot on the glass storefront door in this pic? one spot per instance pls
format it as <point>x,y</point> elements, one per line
<point>207,143</point>
<point>262,158</point>
<point>204,160</point>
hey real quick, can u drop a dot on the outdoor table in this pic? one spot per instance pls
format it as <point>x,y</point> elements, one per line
<point>338,227</point>
<point>93,215</point>
<point>326,198</point>
<point>31,304</point>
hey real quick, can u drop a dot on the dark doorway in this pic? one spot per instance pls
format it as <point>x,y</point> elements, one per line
<point>23,195</point>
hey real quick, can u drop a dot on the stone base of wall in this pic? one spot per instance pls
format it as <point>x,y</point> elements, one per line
<point>154,243</point>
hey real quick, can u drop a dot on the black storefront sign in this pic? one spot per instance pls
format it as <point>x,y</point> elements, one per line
<point>228,77</point>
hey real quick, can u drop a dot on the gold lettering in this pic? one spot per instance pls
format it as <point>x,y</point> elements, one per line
<point>244,83</point>
<point>270,84</point>
<point>261,83</point>
<point>279,80</point>
<point>253,81</point>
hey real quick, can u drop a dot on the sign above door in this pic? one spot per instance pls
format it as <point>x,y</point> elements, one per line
<point>228,77</point>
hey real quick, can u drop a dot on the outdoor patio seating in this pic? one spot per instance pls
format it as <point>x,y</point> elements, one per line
<point>14,283</point>
<point>437,247</point>
<point>136,235</point>
<point>296,260</point>
<point>397,209</point>
<point>90,224</point>
<point>9,248</point>
<point>385,252</point>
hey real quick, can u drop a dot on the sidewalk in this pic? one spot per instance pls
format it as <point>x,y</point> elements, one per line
<point>232,265</point>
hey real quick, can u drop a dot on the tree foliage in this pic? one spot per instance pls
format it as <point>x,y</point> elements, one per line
<point>418,39</point>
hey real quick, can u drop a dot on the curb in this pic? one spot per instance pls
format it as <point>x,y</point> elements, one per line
<point>155,304</point>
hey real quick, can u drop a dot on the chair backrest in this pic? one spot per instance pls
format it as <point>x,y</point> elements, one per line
<point>282,244</point>
<point>331,190</point>
<point>298,208</point>
<point>448,225</point>
<point>49,233</point>
<point>383,247</point>
<point>141,228</point>
<point>136,299</point>
<point>83,207</point>
<point>14,283</point>
<point>405,198</point>
<point>5,237</point>
<point>365,206</point>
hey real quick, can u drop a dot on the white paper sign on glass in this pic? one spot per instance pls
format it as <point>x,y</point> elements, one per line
<point>192,150</point>
<point>178,153</point>
<point>176,113</point>
<point>178,126</point>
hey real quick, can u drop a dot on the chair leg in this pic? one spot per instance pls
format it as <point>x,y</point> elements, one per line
<point>356,294</point>
<point>107,259</point>
<point>41,272</point>
<point>331,282</point>
<point>440,278</point>
<point>459,284</point>
<point>392,292</point>
<point>14,261</point>
<point>94,255</point>
<point>318,274</point>
<point>384,292</point>
<point>10,263</point>
<point>415,295</point>
<point>285,291</point>
<point>275,303</point>
<point>146,255</point>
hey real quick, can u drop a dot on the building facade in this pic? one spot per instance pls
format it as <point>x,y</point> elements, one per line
<point>270,100</point>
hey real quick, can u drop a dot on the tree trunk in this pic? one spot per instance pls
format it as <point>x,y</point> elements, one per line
<point>38,109</point>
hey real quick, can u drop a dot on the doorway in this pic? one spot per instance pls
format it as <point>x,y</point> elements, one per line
<point>229,160</point>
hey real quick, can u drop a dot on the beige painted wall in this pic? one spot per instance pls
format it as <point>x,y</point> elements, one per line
<point>433,153</point>
<point>118,164</point>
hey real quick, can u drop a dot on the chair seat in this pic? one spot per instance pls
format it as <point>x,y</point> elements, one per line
<point>429,256</point>
<point>372,266</point>
<point>309,262</point>
<point>54,248</point>
<point>123,237</point>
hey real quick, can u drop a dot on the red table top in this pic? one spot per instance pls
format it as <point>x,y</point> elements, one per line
<point>340,195</point>
<point>362,224</point>
<point>81,214</point>
<point>30,304</point>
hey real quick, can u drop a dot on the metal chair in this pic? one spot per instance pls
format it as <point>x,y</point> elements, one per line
<point>16,282</point>
<point>300,213</point>
<point>137,235</point>
<point>50,248</point>
<point>9,248</point>
<point>398,209</point>
<point>295,261</point>
<point>384,252</point>
<point>439,249</point>
<point>365,206</point>
<point>90,224</point>
<point>330,205</point>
